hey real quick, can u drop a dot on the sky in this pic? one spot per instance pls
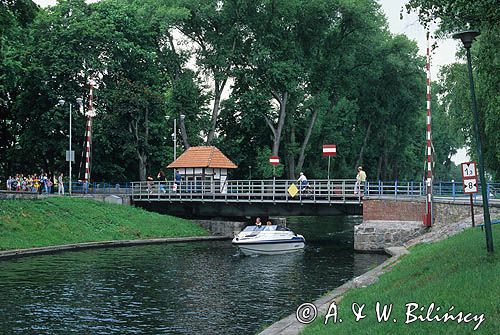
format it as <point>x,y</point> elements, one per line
<point>409,26</point>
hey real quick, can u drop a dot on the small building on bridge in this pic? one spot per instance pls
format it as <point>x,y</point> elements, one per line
<point>203,168</point>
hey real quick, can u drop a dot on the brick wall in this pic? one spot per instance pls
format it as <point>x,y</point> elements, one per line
<point>391,210</point>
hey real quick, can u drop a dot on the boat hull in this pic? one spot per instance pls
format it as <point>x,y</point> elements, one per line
<point>270,247</point>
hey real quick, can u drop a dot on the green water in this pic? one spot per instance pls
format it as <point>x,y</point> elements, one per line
<point>184,288</point>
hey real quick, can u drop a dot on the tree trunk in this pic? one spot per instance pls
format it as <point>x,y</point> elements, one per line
<point>290,155</point>
<point>281,122</point>
<point>302,155</point>
<point>360,157</point>
<point>142,165</point>
<point>379,167</point>
<point>184,136</point>
<point>219,87</point>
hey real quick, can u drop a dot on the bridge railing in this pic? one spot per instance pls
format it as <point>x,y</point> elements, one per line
<point>318,190</point>
<point>248,190</point>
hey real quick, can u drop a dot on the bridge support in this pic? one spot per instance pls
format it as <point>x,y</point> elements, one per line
<point>388,223</point>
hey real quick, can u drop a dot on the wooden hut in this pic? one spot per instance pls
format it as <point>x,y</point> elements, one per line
<point>203,167</point>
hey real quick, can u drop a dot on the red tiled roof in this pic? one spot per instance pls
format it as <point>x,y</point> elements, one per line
<point>202,157</point>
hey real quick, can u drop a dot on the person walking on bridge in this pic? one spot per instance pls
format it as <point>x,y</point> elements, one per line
<point>302,181</point>
<point>359,187</point>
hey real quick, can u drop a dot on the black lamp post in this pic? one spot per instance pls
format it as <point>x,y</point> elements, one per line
<point>467,37</point>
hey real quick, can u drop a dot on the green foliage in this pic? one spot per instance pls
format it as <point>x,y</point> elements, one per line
<point>483,15</point>
<point>448,273</point>
<point>301,74</point>
<point>55,221</point>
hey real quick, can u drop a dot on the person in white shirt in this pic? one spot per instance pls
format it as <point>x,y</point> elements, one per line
<point>60,188</point>
<point>302,181</point>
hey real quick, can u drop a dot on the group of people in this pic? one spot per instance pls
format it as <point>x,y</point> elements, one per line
<point>162,177</point>
<point>258,222</point>
<point>35,183</point>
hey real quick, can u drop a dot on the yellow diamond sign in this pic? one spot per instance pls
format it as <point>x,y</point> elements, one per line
<point>293,190</point>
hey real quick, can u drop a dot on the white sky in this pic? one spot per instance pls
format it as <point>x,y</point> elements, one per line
<point>409,26</point>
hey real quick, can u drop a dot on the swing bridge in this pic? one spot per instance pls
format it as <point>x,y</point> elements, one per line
<point>279,197</point>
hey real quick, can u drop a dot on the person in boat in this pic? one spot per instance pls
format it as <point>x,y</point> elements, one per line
<point>258,223</point>
<point>269,223</point>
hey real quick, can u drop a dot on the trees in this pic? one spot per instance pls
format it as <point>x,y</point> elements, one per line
<point>457,16</point>
<point>297,74</point>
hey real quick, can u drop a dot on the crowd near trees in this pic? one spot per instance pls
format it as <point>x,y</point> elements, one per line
<point>255,78</point>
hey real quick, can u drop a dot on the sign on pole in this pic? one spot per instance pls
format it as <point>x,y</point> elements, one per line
<point>469,177</point>
<point>274,160</point>
<point>469,170</point>
<point>470,186</point>
<point>329,150</point>
<point>70,155</point>
<point>469,183</point>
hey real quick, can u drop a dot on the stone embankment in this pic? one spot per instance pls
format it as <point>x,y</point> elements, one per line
<point>392,223</point>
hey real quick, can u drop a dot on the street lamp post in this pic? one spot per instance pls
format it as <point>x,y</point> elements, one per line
<point>467,37</point>
<point>70,154</point>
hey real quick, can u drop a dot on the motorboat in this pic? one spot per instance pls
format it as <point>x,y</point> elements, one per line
<point>268,240</point>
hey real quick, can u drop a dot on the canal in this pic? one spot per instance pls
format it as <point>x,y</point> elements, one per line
<point>184,288</point>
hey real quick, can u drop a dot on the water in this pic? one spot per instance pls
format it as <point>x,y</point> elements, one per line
<point>185,288</point>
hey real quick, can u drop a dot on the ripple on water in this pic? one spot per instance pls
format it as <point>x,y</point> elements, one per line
<point>197,288</point>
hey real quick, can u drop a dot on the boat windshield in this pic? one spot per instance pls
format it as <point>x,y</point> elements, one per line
<point>265,228</point>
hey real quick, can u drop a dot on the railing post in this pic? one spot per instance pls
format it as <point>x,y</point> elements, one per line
<point>262,190</point>
<point>329,190</point>
<point>453,190</point>
<point>286,190</point>
<point>314,190</point>
<point>379,188</point>
<point>396,188</point>
<point>343,190</point>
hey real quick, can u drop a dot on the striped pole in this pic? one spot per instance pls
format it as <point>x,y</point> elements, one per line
<point>429,217</point>
<point>90,114</point>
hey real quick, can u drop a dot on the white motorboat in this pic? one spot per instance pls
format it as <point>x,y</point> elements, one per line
<point>268,240</point>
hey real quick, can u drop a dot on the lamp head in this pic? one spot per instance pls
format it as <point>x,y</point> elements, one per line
<point>79,101</point>
<point>467,37</point>
<point>61,102</point>
<point>183,116</point>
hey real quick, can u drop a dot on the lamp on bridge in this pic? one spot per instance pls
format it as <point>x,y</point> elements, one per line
<point>467,38</point>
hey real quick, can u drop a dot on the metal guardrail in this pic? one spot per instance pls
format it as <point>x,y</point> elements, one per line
<point>320,190</point>
<point>317,191</point>
<point>98,188</point>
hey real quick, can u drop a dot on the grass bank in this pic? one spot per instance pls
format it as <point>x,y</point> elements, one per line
<point>454,272</point>
<point>55,221</point>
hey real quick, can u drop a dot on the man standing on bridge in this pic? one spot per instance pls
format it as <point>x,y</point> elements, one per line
<point>360,181</point>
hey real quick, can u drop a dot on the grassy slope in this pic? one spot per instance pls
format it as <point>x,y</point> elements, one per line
<point>456,271</point>
<point>53,221</point>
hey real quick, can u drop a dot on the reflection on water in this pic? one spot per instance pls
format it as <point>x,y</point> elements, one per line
<point>195,288</point>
